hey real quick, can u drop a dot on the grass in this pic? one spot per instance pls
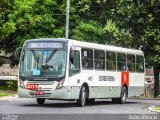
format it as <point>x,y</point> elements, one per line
<point>142,97</point>
<point>157,108</point>
<point>4,93</point>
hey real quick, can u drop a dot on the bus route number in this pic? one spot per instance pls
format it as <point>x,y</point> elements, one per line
<point>32,86</point>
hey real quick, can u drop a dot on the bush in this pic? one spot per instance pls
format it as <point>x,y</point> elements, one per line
<point>8,85</point>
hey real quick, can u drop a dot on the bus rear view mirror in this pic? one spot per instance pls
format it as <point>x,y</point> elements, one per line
<point>17,53</point>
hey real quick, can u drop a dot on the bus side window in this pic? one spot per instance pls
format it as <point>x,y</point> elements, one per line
<point>131,63</point>
<point>99,59</point>
<point>121,62</point>
<point>87,58</point>
<point>139,64</point>
<point>74,62</point>
<point>110,60</point>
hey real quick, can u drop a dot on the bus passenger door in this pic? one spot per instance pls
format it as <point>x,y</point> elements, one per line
<point>74,73</point>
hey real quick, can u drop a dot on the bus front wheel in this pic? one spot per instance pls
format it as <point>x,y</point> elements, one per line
<point>91,100</point>
<point>40,101</point>
<point>82,97</point>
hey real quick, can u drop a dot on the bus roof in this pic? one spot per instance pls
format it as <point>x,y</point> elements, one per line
<point>106,47</point>
<point>47,39</point>
<point>92,45</point>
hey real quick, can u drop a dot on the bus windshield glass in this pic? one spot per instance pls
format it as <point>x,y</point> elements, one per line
<point>43,63</point>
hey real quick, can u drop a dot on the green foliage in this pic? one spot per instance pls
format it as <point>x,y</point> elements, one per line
<point>116,35</point>
<point>3,94</point>
<point>7,93</point>
<point>88,31</point>
<point>126,23</point>
<point>8,85</point>
<point>33,19</point>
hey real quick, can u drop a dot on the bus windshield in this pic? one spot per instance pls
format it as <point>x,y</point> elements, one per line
<point>43,63</point>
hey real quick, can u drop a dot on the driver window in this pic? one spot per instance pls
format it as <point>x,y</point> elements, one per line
<point>74,62</point>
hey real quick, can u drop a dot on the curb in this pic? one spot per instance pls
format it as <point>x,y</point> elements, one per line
<point>144,98</point>
<point>9,98</point>
<point>151,108</point>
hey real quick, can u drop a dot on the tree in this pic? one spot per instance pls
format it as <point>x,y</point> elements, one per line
<point>127,23</point>
<point>30,19</point>
<point>6,8</point>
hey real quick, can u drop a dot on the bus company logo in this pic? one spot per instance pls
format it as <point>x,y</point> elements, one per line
<point>9,117</point>
<point>45,53</point>
<point>125,78</point>
<point>106,78</point>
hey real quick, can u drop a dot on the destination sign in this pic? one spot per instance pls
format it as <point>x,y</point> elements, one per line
<point>45,45</point>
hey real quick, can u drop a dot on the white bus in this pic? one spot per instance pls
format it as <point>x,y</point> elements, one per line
<point>65,69</point>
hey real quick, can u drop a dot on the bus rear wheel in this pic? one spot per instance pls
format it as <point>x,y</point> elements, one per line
<point>82,97</point>
<point>122,98</point>
<point>40,101</point>
<point>114,100</point>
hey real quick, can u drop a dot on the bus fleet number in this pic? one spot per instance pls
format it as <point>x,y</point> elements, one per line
<point>32,87</point>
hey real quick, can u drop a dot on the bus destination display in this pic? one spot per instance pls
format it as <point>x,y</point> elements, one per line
<point>45,45</point>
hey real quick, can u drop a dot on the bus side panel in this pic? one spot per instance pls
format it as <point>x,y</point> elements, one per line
<point>93,92</point>
<point>136,84</point>
<point>135,90</point>
<point>104,84</point>
<point>74,86</point>
<point>105,88</point>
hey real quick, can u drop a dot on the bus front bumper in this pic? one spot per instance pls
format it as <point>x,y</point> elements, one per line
<point>61,93</point>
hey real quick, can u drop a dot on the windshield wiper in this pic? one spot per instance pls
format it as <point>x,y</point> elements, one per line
<point>51,55</point>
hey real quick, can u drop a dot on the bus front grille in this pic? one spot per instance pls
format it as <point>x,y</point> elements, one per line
<point>33,94</point>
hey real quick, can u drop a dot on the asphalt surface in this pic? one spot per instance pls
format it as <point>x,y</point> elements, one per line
<point>100,110</point>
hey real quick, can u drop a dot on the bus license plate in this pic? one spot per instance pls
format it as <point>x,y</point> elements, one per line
<point>32,86</point>
<point>39,92</point>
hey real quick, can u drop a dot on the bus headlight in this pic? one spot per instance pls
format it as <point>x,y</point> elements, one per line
<point>21,84</point>
<point>60,84</point>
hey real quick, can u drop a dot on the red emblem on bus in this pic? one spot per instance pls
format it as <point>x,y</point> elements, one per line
<point>125,78</point>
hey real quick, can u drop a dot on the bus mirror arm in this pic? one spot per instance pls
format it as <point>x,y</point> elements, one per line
<point>16,54</point>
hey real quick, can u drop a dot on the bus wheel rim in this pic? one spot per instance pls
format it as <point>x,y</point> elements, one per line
<point>83,97</point>
<point>124,96</point>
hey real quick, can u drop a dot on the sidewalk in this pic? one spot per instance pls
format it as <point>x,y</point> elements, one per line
<point>9,98</point>
<point>144,98</point>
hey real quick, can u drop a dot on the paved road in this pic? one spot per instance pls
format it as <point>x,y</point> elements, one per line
<point>98,109</point>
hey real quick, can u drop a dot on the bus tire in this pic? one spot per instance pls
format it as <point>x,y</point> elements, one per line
<point>40,101</point>
<point>90,100</point>
<point>114,100</point>
<point>82,97</point>
<point>123,96</point>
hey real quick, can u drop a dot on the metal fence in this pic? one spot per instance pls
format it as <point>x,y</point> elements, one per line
<point>8,78</point>
<point>149,89</point>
